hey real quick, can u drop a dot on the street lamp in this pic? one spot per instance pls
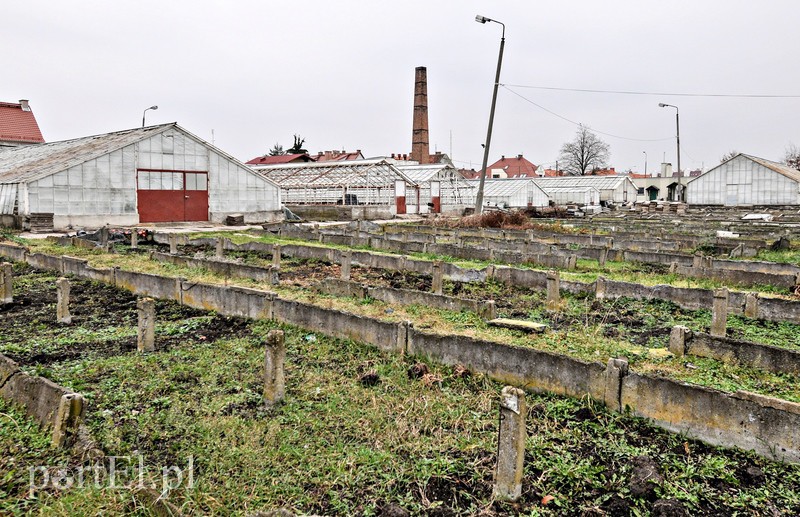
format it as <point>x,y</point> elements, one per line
<point>145,111</point>
<point>678,140</point>
<point>479,198</point>
<point>645,162</point>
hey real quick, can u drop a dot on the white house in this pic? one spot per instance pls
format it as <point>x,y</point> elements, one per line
<point>153,174</point>
<point>746,180</point>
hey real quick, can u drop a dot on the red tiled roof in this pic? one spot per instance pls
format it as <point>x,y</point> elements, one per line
<point>18,125</point>
<point>280,159</point>
<point>517,167</point>
<point>338,156</point>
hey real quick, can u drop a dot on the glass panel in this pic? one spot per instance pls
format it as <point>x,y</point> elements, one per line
<point>177,181</point>
<point>191,181</point>
<point>202,182</point>
<point>144,180</point>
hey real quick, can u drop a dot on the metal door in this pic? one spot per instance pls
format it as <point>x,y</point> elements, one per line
<point>436,197</point>
<point>400,196</point>
<point>172,196</point>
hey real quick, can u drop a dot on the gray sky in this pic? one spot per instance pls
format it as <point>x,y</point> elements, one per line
<point>341,74</point>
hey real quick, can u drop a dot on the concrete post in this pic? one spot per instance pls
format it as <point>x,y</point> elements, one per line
<point>719,312</point>
<point>220,247</point>
<point>616,370</point>
<point>697,261</point>
<point>134,239</point>
<point>6,283</point>
<point>173,244</point>
<point>603,257</point>
<point>347,259</point>
<point>436,282</point>
<point>274,275</point>
<point>103,235</point>
<point>510,445</point>
<point>488,310</point>
<point>274,379</point>
<point>600,288</point>
<point>677,340</point>
<point>276,256</point>
<point>67,421</point>
<point>751,305</point>
<point>62,301</point>
<point>553,302</point>
<point>673,268</point>
<point>146,334</point>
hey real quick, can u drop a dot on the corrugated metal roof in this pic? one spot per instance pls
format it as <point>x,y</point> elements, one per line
<point>361,173</point>
<point>31,162</point>
<point>598,182</point>
<point>780,168</point>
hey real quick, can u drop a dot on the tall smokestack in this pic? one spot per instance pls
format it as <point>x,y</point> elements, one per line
<point>420,148</point>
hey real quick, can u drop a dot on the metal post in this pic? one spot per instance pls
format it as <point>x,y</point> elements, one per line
<point>479,198</point>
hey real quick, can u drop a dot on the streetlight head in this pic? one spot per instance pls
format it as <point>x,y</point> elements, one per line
<point>153,107</point>
<point>482,19</point>
<point>662,105</point>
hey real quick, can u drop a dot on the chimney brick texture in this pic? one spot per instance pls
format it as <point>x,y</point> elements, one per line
<point>420,147</point>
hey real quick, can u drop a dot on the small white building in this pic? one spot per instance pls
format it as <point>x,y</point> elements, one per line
<point>613,189</point>
<point>439,189</point>
<point>746,180</point>
<point>562,196</point>
<point>512,193</point>
<point>159,173</point>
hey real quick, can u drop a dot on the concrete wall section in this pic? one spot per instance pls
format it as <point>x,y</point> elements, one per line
<point>149,285</point>
<point>532,369</point>
<point>13,252</point>
<point>386,336</point>
<point>49,404</point>
<point>765,357</point>
<point>713,416</point>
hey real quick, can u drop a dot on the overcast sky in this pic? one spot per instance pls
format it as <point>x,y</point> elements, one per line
<point>341,73</point>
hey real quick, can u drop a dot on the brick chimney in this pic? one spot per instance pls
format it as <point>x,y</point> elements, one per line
<point>420,148</point>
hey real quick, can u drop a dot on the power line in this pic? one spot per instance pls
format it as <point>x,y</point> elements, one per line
<point>583,125</point>
<point>673,94</point>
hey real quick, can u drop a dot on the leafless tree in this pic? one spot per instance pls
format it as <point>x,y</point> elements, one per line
<point>585,153</point>
<point>727,156</point>
<point>792,156</point>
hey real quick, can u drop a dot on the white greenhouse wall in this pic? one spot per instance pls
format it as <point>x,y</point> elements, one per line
<point>742,181</point>
<point>537,197</point>
<point>234,188</point>
<point>584,196</point>
<point>103,190</point>
<point>93,193</point>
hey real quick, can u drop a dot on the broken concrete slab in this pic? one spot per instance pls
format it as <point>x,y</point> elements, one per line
<point>527,326</point>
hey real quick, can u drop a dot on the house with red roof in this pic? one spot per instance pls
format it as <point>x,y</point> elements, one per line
<point>281,159</point>
<point>517,167</point>
<point>18,126</point>
<point>338,156</point>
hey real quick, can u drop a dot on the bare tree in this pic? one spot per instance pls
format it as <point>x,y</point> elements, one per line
<point>727,156</point>
<point>585,153</point>
<point>792,157</point>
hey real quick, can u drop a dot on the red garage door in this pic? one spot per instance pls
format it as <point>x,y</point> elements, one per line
<point>172,196</point>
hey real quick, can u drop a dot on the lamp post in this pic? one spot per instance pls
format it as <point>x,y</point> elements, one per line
<point>479,198</point>
<point>146,110</point>
<point>678,140</point>
<point>645,162</point>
